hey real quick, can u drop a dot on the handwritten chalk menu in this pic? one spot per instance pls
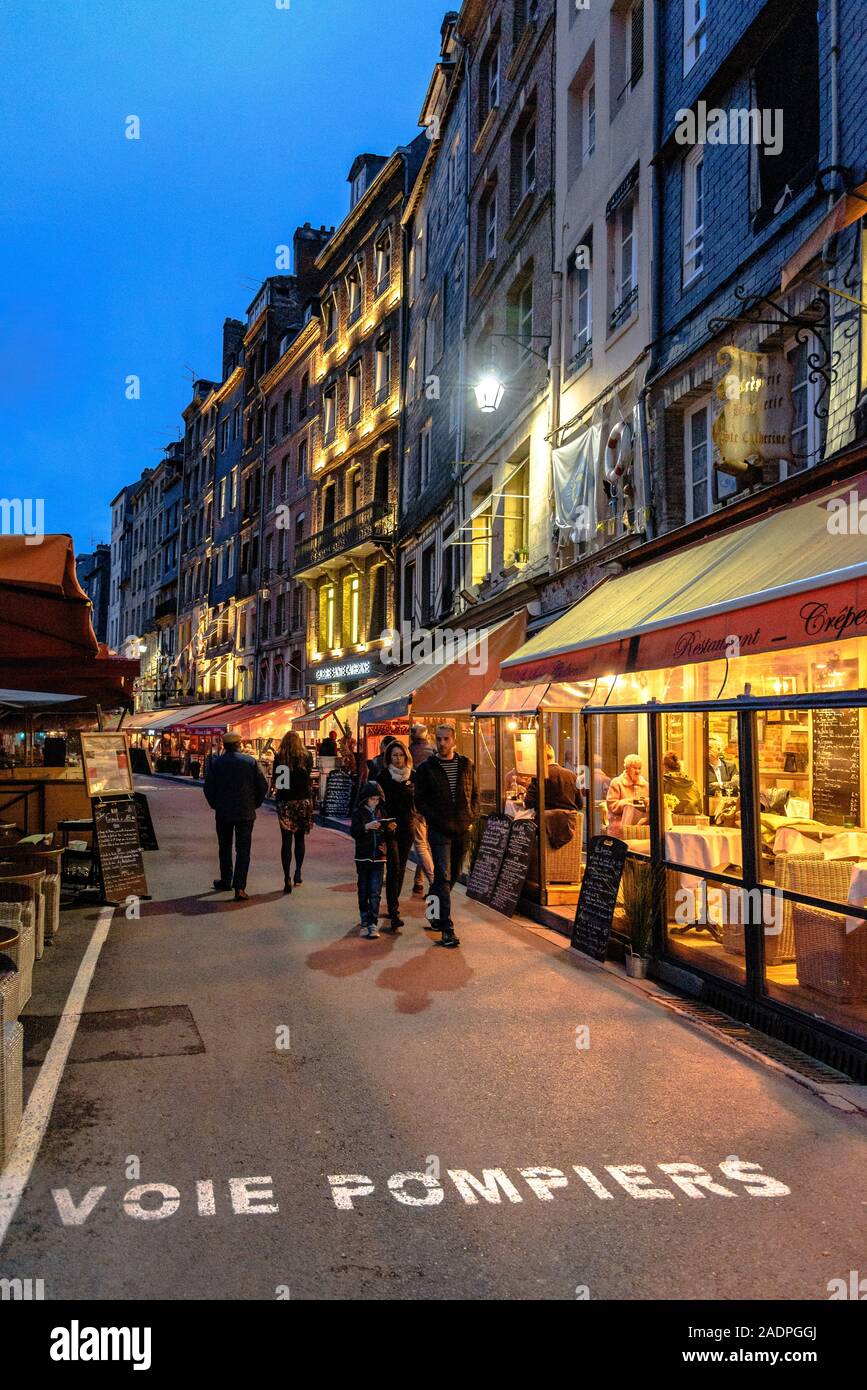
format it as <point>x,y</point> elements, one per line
<point>836,766</point>
<point>338,794</point>
<point>482,879</point>
<point>146,833</point>
<point>513,871</point>
<point>116,835</point>
<point>594,915</point>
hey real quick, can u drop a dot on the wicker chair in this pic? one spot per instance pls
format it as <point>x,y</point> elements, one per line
<point>779,946</point>
<point>563,865</point>
<point>19,904</point>
<point>684,820</point>
<point>30,860</point>
<point>11,1087</point>
<point>828,959</point>
<point>35,879</point>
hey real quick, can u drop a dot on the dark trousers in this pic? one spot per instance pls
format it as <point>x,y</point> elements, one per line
<point>398,847</point>
<point>242,831</point>
<point>286,839</point>
<point>370,873</point>
<point>447,854</point>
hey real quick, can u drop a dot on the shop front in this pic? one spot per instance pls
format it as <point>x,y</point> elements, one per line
<point>718,726</point>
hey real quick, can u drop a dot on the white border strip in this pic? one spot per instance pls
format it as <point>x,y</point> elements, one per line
<point>16,1174</point>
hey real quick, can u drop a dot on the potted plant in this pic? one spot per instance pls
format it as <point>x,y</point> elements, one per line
<point>643,891</point>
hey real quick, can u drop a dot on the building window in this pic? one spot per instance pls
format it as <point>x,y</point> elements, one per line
<point>302,461</point>
<point>411,378</point>
<point>287,412</point>
<point>704,485</point>
<point>516,517</point>
<point>353,491</point>
<point>353,294</point>
<point>694,32</point>
<point>383,263</point>
<point>625,264</point>
<point>236,422</point>
<point>299,534</point>
<point>382,379</point>
<point>354,609</point>
<point>525,321</point>
<point>490,80</point>
<point>330,321</point>
<point>221,502</point>
<point>527,153</point>
<point>329,414</point>
<point>580,308</point>
<point>453,170</point>
<point>329,504</point>
<point>428,585</point>
<point>786,84</point>
<point>480,530</point>
<point>378,615</point>
<point>430,338</point>
<point>234,487</point>
<point>230,559</point>
<point>224,435</point>
<point>327,635</point>
<point>488,225</point>
<point>297,610</point>
<point>284,476</point>
<point>409,593</point>
<point>304,396</point>
<point>353,394</point>
<point>806,427</point>
<point>627,55</point>
<point>424,458</point>
<point>273,415</point>
<point>693,214</point>
<point>271,493</point>
<point>588,121</point>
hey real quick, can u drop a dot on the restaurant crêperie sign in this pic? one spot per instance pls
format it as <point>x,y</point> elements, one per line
<point>754,421</point>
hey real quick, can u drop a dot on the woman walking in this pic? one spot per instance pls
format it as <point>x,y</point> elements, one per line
<point>398,804</point>
<point>291,790</point>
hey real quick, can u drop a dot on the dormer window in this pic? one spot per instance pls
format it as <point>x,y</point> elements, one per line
<point>358,186</point>
<point>353,293</point>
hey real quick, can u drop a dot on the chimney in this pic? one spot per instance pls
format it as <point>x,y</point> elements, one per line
<point>233,334</point>
<point>306,244</point>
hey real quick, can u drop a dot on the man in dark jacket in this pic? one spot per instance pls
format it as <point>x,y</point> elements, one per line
<point>561,787</point>
<point>447,796</point>
<point>234,787</point>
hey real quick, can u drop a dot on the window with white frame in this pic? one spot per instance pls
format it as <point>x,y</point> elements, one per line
<point>490,80</point>
<point>221,504</point>
<point>489,225</point>
<point>693,214</point>
<point>588,121</point>
<point>528,158</point>
<point>329,414</point>
<point>581,305</point>
<point>430,335</point>
<point>524,321</point>
<point>411,377</point>
<point>383,262</point>
<point>625,263</point>
<point>453,171</point>
<point>382,380</point>
<point>694,32</point>
<point>806,426</point>
<point>704,485</point>
<point>329,320</point>
<point>230,559</point>
<point>424,458</point>
<point>234,487</point>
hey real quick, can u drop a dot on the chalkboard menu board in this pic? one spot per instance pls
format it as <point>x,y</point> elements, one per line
<point>146,833</point>
<point>836,766</point>
<point>482,878</point>
<point>513,872</point>
<point>338,794</point>
<point>594,915</point>
<point>116,835</point>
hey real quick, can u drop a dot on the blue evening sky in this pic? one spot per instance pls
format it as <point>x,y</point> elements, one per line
<point>124,256</point>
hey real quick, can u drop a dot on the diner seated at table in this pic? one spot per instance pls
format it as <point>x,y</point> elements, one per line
<point>627,799</point>
<point>561,787</point>
<point>675,782</point>
<point>721,773</point>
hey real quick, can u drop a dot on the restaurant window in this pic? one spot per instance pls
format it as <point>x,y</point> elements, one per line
<point>694,32</point>
<point>704,484</point>
<point>786,84</point>
<point>693,214</point>
<point>481,533</point>
<point>486,767</point>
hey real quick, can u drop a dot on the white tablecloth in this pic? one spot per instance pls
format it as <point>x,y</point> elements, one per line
<point>709,848</point>
<point>857,896</point>
<point>838,844</point>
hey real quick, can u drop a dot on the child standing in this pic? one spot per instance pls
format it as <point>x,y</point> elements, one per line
<point>370,855</point>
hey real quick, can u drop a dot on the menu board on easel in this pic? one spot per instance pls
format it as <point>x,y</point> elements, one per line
<point>594,915</point>
<point>837,766</point>
<point>118,848</point>
<point>482,879</point>
<point>107,770</point>
<point>514,868</point>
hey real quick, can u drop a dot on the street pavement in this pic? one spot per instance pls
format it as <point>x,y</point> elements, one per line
<point>243,1130</point>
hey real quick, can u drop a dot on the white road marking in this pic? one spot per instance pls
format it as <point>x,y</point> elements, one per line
<point>16,1174</point>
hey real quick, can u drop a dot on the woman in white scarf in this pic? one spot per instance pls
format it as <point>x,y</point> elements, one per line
<point>398,804</point>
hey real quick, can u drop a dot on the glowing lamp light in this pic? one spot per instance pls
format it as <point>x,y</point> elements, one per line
<point>489,393</point>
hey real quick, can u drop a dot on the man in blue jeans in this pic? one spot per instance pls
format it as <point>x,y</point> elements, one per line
<point>235,787</point>
<point>447,796</point>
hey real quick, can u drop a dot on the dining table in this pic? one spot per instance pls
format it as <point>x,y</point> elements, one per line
<point>857,896</point>
<point>833,841</point>
<point>712,848</point>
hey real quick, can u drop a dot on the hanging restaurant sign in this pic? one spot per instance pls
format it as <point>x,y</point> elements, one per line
<point>754,422</point>
<point>356,668</point>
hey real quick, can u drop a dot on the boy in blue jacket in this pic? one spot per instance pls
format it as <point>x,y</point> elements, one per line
<point>368,831</point>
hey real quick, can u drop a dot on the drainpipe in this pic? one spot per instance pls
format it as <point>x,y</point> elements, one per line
<point>254,693</point>
<point>656,269</point>
<point>555,386</point>
<point>462,352</point>
<point>835,89</point>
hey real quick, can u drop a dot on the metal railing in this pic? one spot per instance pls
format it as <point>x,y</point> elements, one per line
<point>374,522</point>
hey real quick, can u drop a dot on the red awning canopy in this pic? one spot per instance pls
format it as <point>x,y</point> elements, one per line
<point>47,640</point>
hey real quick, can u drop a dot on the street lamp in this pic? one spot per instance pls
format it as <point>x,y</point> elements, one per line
<point>490,388</point>
<point>489,393</point>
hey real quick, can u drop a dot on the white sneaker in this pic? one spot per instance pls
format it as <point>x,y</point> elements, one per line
<point>372,934</point>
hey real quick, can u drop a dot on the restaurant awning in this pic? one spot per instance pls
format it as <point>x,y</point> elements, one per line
<point>272,719</point>
<point>213,721</point>
<point>454,685</point>
<point>845,211</point>
<point>32,699</point>
<point>46,635</point>
<point>160,721</point>
<point>794,577</point>
<point>515,700</point>
<point>340,706</point>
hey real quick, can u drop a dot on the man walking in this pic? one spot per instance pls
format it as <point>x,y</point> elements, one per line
<point>234,787</point>
<point>447,796</point>
<point>420,749</point>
